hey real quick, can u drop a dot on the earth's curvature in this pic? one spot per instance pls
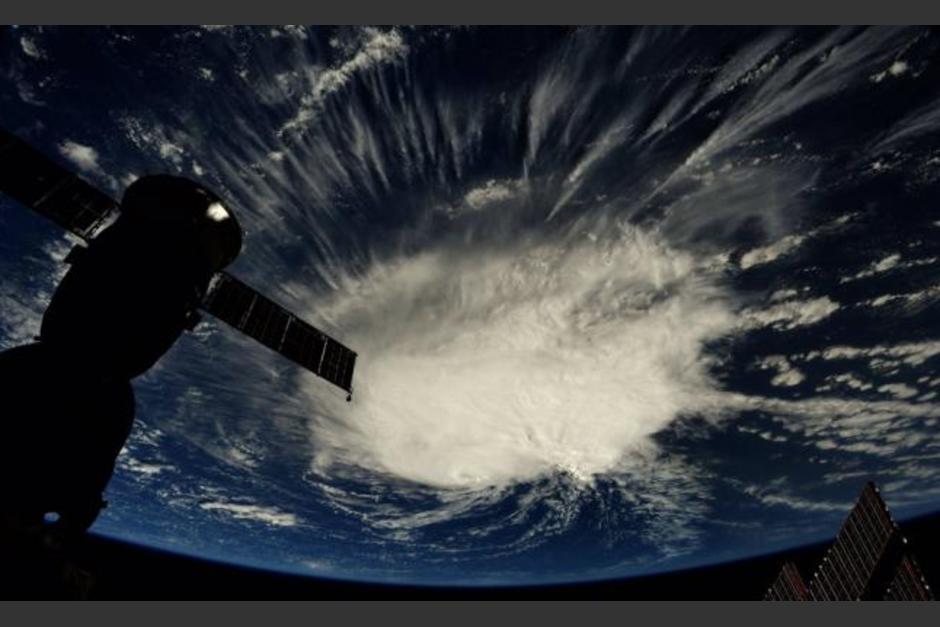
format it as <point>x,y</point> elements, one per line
<point>625,300</point>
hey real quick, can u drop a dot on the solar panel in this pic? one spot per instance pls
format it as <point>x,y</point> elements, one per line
<point>240,306</point>
<point>908,583</point>
<point>37,182</point>
<point>869,560</point>
<point>863,540</point>
<point>789,586</point>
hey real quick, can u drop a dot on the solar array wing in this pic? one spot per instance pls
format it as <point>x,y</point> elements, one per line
<point>49,189</point>
<point>788,586</point>
<point>36,181</point>
<point>257,316</point>
<point>908,583</point>
<point>862,543</point>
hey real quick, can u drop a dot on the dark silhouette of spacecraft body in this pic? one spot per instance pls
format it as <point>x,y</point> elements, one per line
<point>149,264</point>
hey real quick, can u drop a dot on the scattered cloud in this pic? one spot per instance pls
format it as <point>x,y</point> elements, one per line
<point>897,68</point>
<point>489,193</point>
<point>84,157</point>
<point>789,243</point>
<point>912,300</point>
<point>911,354</point>
<point>791,314</point>
<point>143,468</point>
<point>24,295</point>
<point>898,390</point>
<point>786,375</point>
<point>31,47</point>
<point>850,380</point>
<point>155,139</point>
<point>772,252</point>
<point>878,267</point>
<point>256,513</point>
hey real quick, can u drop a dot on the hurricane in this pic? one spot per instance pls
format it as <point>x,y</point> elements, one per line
<point>625,300</point>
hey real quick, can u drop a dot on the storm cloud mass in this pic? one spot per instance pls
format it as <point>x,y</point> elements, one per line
<point>624,300</point>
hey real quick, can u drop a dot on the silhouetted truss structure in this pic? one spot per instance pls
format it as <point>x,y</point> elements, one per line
<point>869,560</point>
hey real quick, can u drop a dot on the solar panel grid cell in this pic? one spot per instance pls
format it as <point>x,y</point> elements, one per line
<point>332,358</point>
<point>337,365</point>
<point>860,551</point>
<point>839,574</point>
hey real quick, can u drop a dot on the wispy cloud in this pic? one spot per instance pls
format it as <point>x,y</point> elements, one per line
<point>380,47</point>
<point>31,47</point>
<point>256,513</point>
<point>771,496</point>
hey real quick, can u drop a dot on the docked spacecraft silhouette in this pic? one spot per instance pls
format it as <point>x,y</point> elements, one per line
<point>150,263</point>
